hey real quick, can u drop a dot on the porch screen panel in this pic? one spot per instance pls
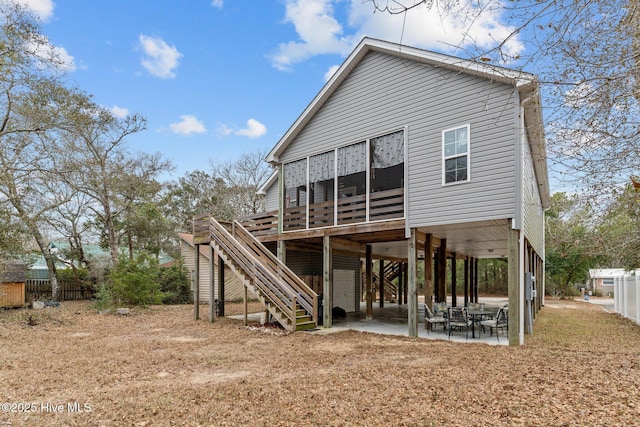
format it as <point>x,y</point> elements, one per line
<point>295,185</point>
<point>321,187</point>
<point>352,166</point>
<point>387,176</point>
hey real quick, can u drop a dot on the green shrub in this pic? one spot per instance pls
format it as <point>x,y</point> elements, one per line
<point>135,281</point>
<point>175,284</point>
<point>140,281</point>
<point>103,297</point>
<point>70,275</point>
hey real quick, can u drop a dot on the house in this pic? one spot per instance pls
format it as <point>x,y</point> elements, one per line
<point>233,289</point>
<point>93,252</point>
<point>601,280</point>
<point>407,156</point>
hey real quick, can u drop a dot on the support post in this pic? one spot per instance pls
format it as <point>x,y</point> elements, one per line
<point>513,287</point>
<point>221,285</point>
<point>412,284</point>
<point>368,281</point>
<point>212,286</point>
<point>245,305</point>
<point>327,281</point>
<point>196,290</point>
<point>381,281</point>
<point>466,280</point>
<point>454,281</point>
<point>428,271</point>
<point>282,251</point>
<point>281,198</point>
<point>442,271</point>
<point>406,281</point>
<point>436,276</point>
<point>400,282</point>
<point>475,280</point>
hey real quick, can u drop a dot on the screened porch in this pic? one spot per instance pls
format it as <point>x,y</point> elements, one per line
<point>362,182</point>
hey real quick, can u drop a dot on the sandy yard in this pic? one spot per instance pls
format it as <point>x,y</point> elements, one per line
<point>159,367</point>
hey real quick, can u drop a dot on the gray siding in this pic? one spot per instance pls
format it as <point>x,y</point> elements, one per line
<point>310,264</point>
<point>271,198</point>
<point>533,215</point>
<point>233,289</point>
<point>384,93</point>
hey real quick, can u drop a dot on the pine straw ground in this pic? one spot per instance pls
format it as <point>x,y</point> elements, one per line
<point>159,367</point>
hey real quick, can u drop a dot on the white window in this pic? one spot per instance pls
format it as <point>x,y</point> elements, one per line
<point>455,155</point>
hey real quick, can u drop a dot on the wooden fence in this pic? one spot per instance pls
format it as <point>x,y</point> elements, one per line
<point>40,290</point>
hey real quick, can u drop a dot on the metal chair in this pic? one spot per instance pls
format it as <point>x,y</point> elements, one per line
<point>501,321</point>
<point>430,319</point>
<point>459,319</point>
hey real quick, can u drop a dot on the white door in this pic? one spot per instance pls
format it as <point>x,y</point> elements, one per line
<point>344,290</point>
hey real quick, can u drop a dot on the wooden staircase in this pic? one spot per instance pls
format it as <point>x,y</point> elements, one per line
<point>391,272</point>
<point>291,302</point>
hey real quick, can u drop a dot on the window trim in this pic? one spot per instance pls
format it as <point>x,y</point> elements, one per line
<point>445,158</point>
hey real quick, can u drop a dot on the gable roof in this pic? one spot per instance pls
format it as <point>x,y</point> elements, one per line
<point>12,271</point>
<point>526,84</point>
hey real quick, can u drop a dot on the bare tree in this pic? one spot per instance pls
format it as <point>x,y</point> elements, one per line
<point>99,165</point>
<point>242,179</point>
<point>31,98</point>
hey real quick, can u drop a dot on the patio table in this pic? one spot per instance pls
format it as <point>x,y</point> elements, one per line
<point>477,315</point>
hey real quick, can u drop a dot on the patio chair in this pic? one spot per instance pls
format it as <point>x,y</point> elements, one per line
<point>440,309</point>
<point>501,321</point>
<point>430,319</point>
<point>459,319</point>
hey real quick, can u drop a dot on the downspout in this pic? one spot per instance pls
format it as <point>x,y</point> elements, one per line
<point>540,280</point>
<point>518,225</point>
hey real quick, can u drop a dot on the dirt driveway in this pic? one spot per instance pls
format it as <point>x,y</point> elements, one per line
<point>159,367</point>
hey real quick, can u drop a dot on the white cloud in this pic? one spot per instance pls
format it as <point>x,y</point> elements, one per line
<point>330,72</point>
<point>43,9</point>
<point>49,55</point>
<point>66,62</point>
<point>119,112</point>
<point>579,95</point>
<point>320,32</point>
<point>461,26</point>
<point>217,3</point>
<point>161,60</point>
<point>188,124</point>
<point>254,129</point>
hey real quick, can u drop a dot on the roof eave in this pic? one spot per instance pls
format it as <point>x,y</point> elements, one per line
<point>535,129</point>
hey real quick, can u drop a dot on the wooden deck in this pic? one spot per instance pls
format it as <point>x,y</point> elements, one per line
<point>383,221</point>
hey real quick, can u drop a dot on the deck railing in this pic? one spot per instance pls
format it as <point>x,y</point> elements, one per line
<point>383,205</point>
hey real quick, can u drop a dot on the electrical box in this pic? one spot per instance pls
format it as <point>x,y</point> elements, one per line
<point>528,287</point>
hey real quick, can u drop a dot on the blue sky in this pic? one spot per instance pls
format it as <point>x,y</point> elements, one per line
<point>218,78</point>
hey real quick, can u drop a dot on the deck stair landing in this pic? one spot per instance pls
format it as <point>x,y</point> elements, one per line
<point>290,301</point>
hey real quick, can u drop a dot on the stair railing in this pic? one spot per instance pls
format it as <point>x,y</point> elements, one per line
<point>273,279</point>
<point>305,296</point>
